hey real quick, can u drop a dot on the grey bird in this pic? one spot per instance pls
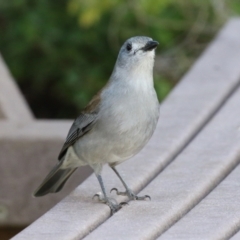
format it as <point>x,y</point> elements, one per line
<point>115,125</point>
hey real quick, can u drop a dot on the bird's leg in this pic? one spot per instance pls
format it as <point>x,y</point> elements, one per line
<point>128,192</point>
<point>111,202</point>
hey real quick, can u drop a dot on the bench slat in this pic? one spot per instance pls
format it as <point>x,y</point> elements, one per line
<point>216,217</point>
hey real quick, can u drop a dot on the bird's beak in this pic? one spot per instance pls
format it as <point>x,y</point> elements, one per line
<point>150,45</point>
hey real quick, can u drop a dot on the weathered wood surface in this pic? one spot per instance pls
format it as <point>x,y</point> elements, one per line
<point>216,217</point>
<point>198,129</point>
<point>13,106</point>
<point>28,149</point>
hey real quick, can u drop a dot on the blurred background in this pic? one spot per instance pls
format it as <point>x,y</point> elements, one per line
<point>62,52</point>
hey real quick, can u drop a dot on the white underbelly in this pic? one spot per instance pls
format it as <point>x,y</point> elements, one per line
<point>114,145</point>
<point>121,131</point>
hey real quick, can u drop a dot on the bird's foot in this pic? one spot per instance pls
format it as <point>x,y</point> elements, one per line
<point>131,195</point>
<point>111,202</point>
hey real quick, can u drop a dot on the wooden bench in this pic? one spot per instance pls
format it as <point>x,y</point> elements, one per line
<point>189,167</point>
<point>28,149</point>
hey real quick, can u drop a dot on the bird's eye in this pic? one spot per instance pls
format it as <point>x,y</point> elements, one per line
<point>129,47</point>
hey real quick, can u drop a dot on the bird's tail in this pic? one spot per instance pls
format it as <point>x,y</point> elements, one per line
<point>54,181</point>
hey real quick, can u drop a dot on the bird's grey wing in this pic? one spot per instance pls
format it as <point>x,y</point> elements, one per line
<point>80,126</point>
<point>83,123</point>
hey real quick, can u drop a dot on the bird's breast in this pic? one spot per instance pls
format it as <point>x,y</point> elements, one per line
<point>128,121</point>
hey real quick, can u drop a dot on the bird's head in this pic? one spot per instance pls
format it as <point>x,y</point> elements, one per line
<point>137,53</point>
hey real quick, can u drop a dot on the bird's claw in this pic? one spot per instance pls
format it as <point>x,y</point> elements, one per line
<point>123,203</point>
<point>131,195</point>
<point>118,193</point>
<point>111,202</point>
<point>99,197</point>
<point>145,197</point>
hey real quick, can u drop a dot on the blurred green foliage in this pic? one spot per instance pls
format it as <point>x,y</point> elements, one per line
<point>61,52</point>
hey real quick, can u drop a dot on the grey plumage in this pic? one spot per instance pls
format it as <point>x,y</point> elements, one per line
<point>80,126</point>
<point>116,124</point>
<point>54,181</point>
